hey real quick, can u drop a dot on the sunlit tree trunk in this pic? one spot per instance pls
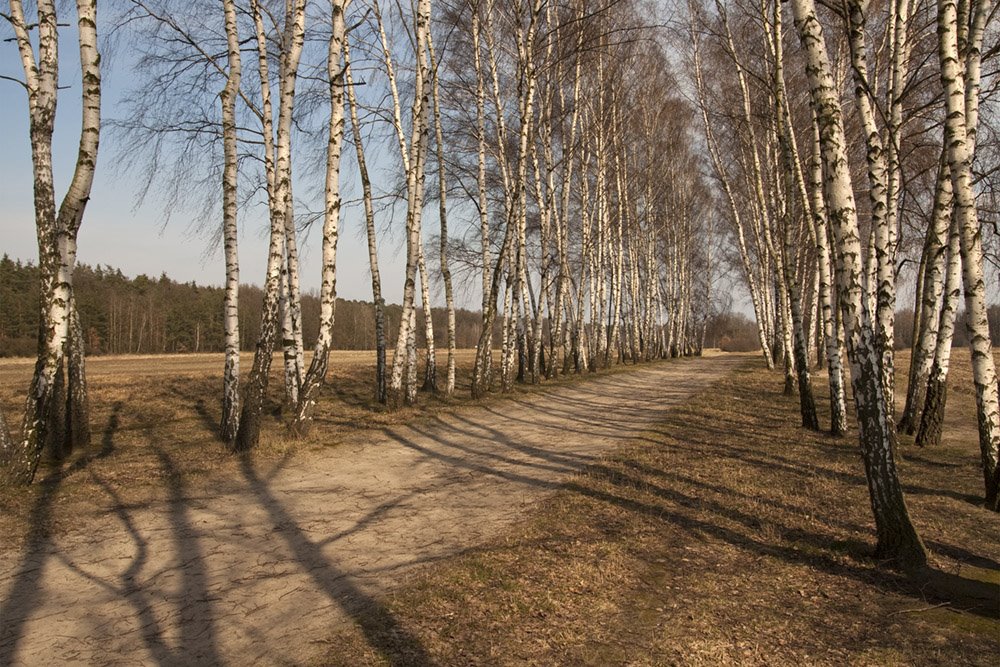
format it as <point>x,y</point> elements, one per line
<point>430,367</point>
<point>483,368</point>
<point>880,257</point>
<point>230,230</point>
<point>794,184</point>
<point>936,396</point>
<point>935,255</point>
<point>413,158</point>
<point>962,115</point>
<point>277,150</point>
<point>897,537</point>
<point>381,387</point>
<point>449,294</point>
<point>320,362</point>
<point>52,416</point>
<point>831,335</point>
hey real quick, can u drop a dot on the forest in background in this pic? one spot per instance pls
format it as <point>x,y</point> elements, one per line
<point>143,315</point>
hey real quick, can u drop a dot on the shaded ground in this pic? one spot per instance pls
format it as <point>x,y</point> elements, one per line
<point>723,534</point>
<point>254,560</point>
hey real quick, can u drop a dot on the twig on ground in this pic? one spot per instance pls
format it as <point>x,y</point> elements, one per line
<point>919,609</point>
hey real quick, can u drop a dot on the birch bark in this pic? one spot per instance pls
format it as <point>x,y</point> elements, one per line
<point>897,538</point>
<point>230,230</point>
<point>52,417</point>
<point>961,101</point>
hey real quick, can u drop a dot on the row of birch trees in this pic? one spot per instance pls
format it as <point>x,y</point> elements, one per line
<point>544,147</point>
<point>539,151</point>
<point>845,147</point>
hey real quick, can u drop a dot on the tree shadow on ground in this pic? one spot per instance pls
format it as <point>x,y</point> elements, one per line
<point>708,511</point>
<point>375,620</point>
<point>24,594</point>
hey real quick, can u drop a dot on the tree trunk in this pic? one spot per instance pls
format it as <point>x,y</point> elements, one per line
<point>316,375</point>
<point>935,256</point>
<point>381,387</point>
<point>278,164</point>
<point>897,537</point>
<point>961,105</point>
<point>230,231</point>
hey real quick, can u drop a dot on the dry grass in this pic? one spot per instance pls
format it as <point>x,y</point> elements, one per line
<point>725,536</point>
<point>154,420</point>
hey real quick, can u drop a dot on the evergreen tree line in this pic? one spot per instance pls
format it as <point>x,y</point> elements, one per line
<point>144,315</point>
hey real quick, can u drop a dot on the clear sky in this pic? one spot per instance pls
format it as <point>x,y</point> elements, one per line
<point>116,233</point>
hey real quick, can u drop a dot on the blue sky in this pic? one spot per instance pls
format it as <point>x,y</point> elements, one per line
<point>137,240</point>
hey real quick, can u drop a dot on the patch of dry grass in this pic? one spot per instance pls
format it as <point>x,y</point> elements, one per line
<point>154,420</point>
<point>727,535</point>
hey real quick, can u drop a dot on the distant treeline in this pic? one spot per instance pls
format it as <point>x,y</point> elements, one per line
<point>122,315</point>
<point>904,328</point>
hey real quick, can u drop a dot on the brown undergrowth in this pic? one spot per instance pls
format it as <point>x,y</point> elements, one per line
<point>727,535</point>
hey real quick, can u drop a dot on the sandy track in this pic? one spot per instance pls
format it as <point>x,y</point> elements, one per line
<point>262,573</point>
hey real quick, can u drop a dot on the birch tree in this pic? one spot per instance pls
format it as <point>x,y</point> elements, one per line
<point>378,302</point>
<point>960,76</point>
<point>335,71</point>
<point>277,159</point>
<point>230,230</point>
<point>897,537</point>
<point>56,414</point>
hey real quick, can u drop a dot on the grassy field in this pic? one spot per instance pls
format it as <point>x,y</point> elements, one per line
<point>146,405</point>
<point>725,536</point>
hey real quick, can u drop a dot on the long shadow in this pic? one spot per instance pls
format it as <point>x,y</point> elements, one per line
<point>963,555</point>
<point>974,596</point>
<point>965,593</point>
<point>207,420</point>
<point>24,595</point>
<point>194,613</point>
<point>198,633</point>
<point>559,463</point>
<point>382,630</point>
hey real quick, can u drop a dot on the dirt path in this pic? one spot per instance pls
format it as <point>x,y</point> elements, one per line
<point>263,572</point>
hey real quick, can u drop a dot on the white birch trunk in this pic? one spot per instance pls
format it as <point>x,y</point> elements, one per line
<point>53,418</point>
<point>962,114</point>
<point>449,295</point>
<point>381,387</point>
<point>897,538</point>
<point>230,230</point>
<point>335,68</point>
<point>277,151</point>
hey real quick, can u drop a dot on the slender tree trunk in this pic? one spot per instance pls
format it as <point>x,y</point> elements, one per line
<point>278,164</point>
<point>449,295</point>
<point>962,114</point>
<point>230,231</point>
<point>831,336</point>
<point>897,537</point>
<point>405,354</point>
<point>52,416</point>
<point>381,387</point>
<point>319,365</point>
<point>430,368</point>
<point>882,268</point>
<point>934,259</point>
<point>936,396</point>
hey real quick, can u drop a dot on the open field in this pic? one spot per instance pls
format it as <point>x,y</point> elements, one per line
<point>645,516</point>
<point>257,560</point>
